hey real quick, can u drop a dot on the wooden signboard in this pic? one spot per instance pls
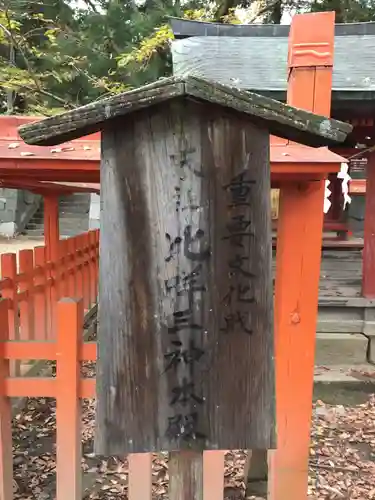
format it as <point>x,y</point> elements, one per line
<point>186,287</point>
<point>186,321</point>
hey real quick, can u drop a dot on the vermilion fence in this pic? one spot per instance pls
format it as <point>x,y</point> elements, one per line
<point>33,283</point>
<point>69,349</point>
<point>36,325</point>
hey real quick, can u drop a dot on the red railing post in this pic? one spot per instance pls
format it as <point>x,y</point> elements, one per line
<point>64,264</point>
<point>86,269</point>
<point>9,273</point>
<point>79,265</point>
<point>68,406</point>
<point>140,478</point>
<point>27,308</point>
<point>72,276</point>
<point>213,475</point>
<point>6,454</point>
<point>92,265</point>
<point>52,238</point>
<point>97,263</point>
<point>41,293</point>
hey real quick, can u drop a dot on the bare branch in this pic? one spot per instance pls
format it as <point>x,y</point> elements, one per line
<point>41,91</point>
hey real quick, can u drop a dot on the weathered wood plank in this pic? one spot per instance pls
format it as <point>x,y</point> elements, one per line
<point>185,283</point>
<point>185,475</point>
<point>88,119</point>
<point>280,119</point>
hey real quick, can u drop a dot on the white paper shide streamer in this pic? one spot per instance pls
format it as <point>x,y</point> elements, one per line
<point>343,174</point>
<point>345,178</point>
<point>327,194</point>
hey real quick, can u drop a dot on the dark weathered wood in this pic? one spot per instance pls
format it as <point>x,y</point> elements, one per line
<point>90,118</point>
<point>256,473</point>
<point>280,119</point>
<point>175,253</point>
<point>185,470</point>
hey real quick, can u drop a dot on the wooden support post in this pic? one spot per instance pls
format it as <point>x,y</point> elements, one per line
<point>256,471</point>
<point>368,265</point>
<point>186,475</point>
<point>299,238</point>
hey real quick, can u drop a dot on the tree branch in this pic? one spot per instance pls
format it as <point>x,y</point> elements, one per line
<point>264,10</point>
<point>92,6</point>
<point>50,95</point>
<point>45,93</point>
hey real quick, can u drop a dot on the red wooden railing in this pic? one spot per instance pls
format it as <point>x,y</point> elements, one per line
<point>69,349</point>
<point>33,284</point>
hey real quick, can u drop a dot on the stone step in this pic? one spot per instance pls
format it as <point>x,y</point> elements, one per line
<point>66,233</point>
<point>74,223</point>
<point>68,222</point>
<point>74,203</point>
<point>76,215</point>
<point>63,213</point>
<point>35,234</point>
<point>344,384</point>
<point>340,348</point>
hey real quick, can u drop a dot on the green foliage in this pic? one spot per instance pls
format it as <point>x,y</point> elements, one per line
<point>55,56</point>
<point>347,11</point>
<point>149,47</point>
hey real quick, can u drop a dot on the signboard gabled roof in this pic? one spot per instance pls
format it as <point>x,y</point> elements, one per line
<point>280,119</point>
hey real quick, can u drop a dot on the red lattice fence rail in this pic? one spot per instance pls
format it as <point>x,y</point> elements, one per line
<point>33,284</point>
<point>69,349</point>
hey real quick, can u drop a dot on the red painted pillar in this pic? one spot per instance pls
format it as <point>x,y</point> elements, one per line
<point>368,266</point>
<point>299,240</point>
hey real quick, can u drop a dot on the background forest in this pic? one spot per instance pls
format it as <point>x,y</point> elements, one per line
<point>59,54</point>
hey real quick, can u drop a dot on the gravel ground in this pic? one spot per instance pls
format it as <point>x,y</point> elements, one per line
<point>342,453</point>
<point>20,243</point>
<point>342,456</point>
